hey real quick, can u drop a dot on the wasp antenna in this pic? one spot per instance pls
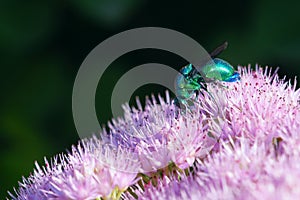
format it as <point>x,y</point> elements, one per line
<point>219,50</point>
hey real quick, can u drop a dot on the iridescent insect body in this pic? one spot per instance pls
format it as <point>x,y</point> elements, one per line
<point>190,80</point>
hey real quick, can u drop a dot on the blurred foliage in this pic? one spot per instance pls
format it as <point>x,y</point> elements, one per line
<point>109,13</point>
<point>42,44</point>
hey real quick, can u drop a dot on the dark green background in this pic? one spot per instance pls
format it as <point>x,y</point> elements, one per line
<point>42,44</point>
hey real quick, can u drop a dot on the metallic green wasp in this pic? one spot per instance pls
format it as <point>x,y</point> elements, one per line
<point>190,80</point>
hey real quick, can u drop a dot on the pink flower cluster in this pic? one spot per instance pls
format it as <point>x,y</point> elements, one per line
<point>90,171</point>
<point>238,141</point>
<point>241,170</point>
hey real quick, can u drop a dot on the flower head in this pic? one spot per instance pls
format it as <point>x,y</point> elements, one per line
<point>235,141</point>
<point>92,170</point>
